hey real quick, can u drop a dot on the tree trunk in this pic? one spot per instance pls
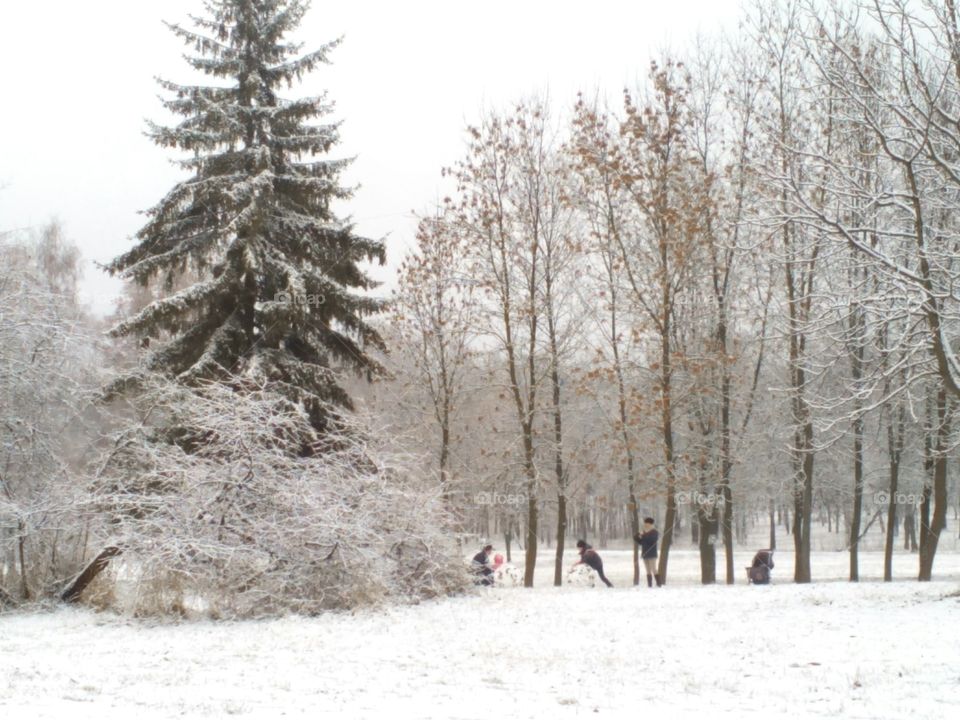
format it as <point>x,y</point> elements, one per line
<point>773,527</point>
<point>557,430</point>
<point>561,536</point>
<point>445,460</point>
<point>625,436</point>
<point>89,574</point>
<point>707,520</point>
<point>802,452</point>
<point>667,538</point>
<point>21,542</point>
<point>667,429</point>
<point>857,362</point>
<point>726,465</point>
<point>634,531</point>
<point>857,499</point>
<point>803,500</point>
<point>895,432</point>
<point>799,275</point>
<point>530,554</point>
<point>930,528</point>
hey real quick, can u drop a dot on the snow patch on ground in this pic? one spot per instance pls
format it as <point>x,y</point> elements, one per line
<point>826,650</point>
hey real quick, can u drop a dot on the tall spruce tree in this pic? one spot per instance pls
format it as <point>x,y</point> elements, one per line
<point>271,277</point>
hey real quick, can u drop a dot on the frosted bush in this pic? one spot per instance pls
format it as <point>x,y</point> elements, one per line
<point>229,494</point>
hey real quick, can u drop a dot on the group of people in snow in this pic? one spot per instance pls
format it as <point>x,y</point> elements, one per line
<point>484,569</point>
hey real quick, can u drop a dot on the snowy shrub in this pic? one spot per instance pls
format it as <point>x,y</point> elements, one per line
<point>226,502</point>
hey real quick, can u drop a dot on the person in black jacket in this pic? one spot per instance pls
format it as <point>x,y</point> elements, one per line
<point>647,540</point>
<point>759,570</point>
<point>589,556</point>
<point>481,566</point>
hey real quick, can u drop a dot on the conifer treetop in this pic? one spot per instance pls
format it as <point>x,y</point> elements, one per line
<point>261,276</point>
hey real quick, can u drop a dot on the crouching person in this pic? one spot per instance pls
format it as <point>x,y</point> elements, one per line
<point>759,571</point>
<point>480,567</point>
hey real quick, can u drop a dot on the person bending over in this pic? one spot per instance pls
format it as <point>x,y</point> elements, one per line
<point>589,556</point>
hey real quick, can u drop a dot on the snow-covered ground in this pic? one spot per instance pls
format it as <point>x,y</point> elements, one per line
<point>827,650</point>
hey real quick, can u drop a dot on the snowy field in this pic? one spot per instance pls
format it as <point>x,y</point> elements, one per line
<point>826,650</point>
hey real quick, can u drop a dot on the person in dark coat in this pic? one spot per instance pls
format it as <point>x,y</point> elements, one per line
<point>589,556</point>
<point>480,566</point>
<point>647,540</point>
<point>759,571</point>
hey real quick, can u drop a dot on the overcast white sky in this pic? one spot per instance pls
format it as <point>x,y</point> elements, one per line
<point>77,86</point>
